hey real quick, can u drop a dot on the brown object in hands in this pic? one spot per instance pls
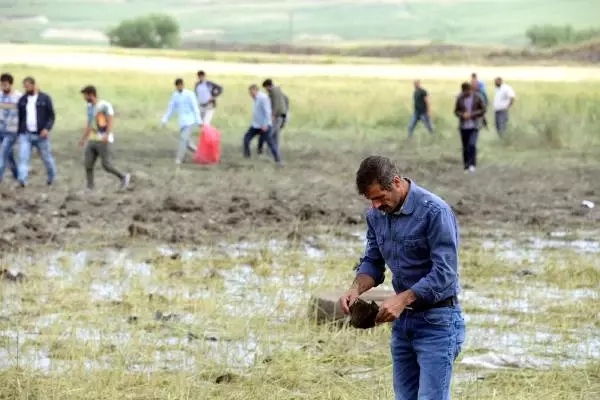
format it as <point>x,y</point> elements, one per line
<point>363,314</point>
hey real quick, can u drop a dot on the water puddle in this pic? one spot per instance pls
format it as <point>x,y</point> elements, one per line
<point>531,248</point>
<point>178,339</point>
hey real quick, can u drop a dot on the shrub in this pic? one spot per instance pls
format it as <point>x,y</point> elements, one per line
<point>152,31</point>
<point>555,35</point>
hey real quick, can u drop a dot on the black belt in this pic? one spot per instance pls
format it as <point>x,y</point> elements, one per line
<point>418,306</point>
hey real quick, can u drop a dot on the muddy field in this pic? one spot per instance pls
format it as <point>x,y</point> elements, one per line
<point>198,279</point>
<point>314,191</point>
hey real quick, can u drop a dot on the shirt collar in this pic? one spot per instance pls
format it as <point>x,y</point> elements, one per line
<point>408,207</point>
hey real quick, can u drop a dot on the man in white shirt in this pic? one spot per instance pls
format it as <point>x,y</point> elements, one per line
<point>207,93</point>
<point>503,100</point>
<point>183,101</point>
<point>36,120</point>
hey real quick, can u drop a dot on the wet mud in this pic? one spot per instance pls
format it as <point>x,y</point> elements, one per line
<point>233,201</point>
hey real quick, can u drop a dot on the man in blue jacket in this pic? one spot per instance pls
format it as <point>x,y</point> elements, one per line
<point>36,120</point>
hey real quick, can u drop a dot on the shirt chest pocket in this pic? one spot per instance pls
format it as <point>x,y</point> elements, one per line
<point>414,248</point>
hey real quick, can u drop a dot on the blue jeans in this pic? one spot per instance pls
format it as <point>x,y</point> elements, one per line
<point>416,117</point>
<point>26,142</point>
<point>7,155</point>
<point>266,136</point>
<point>424,346</point>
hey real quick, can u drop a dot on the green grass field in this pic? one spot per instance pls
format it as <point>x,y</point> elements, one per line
<point>452,21</point>
<point>105,315</point>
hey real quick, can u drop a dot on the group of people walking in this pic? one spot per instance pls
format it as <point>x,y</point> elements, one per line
<point>196,108</point>
<point>470,108</point>
<point>28,118</point>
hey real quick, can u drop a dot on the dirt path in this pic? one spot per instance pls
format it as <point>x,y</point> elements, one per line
<point>40,56</point>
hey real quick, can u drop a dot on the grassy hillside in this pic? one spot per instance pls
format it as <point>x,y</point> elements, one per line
<point>456,21</point>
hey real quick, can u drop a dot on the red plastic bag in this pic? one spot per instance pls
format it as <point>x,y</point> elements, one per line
<point>209,146</point>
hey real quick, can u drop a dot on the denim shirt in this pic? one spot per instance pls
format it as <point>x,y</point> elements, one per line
<point>419,243</point>
<point>9,114</point>
<point>186,106</point>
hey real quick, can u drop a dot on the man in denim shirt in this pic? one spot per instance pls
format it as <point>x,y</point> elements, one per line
<point>9,124</point>
<point>415,233</point>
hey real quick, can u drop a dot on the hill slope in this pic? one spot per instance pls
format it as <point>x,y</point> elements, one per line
<point>500,22</point>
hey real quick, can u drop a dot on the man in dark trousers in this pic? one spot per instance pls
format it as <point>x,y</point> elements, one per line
<point>422,109</point>
<point>36,120</point>
<point>470,109</point>
<point>262,123</point>
<point>279,105</point>
<point>414,233</point>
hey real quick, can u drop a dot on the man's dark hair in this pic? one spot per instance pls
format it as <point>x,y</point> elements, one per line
<point>201,73</point>
<point>267,83</point>
<point>253,86</point>
<point>474,75</point>
<point>29,80</point>
<point>375,169</point>
<point>465,87</point>
<point>7,78</point>
<point>178,81</point>
<point>89,89</point>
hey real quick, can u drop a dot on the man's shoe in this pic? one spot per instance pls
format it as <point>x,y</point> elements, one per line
<point>125,181</point>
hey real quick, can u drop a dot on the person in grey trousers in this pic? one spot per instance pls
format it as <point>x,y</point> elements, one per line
<point>98,137</point>
<point>279,105</point>
<point>504,97</point>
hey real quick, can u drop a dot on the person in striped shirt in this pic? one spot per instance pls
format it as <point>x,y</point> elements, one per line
<point>9,124</point>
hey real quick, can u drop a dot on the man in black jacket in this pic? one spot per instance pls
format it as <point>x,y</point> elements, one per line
<point>36,120</point>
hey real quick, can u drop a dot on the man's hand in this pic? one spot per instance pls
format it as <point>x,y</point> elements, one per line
<point>392,307</point>
<point>348,299</point>
<point>82,143</point>
<point>264,128</point>
<point>44,133</point>
<point>466,115</point>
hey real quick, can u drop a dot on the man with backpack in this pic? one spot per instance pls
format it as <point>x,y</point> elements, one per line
<point>98,137</point>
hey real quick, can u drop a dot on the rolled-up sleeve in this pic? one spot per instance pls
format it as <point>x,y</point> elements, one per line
<point>372,263</point>
<point>442,237</point>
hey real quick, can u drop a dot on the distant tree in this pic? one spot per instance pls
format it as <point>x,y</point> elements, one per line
<point>153,31</point>
<point>556,35</point>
